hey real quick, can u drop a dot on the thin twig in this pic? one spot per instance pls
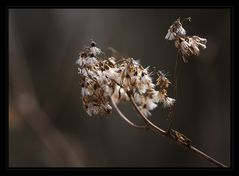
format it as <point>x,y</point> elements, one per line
<point>147,121</point>
<point>175,136</point>
<point>203,155</point>
<point>173,112</point>
<point>125,118</point>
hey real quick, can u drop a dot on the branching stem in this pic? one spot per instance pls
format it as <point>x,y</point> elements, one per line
<point>175,136</point>
<point>125,118</point>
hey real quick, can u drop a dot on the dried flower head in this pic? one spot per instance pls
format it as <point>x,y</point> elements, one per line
<point>175,29</point>
<point>103,78</point>
<point>186,45</point>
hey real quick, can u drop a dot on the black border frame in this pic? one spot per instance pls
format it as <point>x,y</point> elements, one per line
<point>118,4</point>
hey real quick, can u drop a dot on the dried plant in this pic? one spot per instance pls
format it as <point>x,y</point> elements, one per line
<point>107,81</point>
<point>186,45</point>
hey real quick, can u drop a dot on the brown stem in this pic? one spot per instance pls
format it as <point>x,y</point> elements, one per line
<point>203,155</point>
<point>171,134</point>
<point>147,121</point>
<point>172,114</point>
<point>175,136</point>
<point>125,118</point>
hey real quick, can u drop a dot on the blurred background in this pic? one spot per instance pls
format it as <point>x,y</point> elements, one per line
<point>48,126</point>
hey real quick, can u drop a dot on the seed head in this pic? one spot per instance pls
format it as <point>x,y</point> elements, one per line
<point>186,45</point>
<point>104,78</point>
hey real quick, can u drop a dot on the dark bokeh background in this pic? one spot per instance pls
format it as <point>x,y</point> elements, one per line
<point>47,124</point>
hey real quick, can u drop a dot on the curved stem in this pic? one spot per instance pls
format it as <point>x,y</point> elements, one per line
<point>147,121</point>
<point>171,134</point>
<point>175,136</point>
<point>125,118</point>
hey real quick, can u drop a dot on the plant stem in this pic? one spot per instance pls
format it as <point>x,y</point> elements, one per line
<point>147,121</point>
<point>175,136</point>
<point>172,114</point>
<point>125,118</point>
<point>170,134</point>
<point>205,156</point>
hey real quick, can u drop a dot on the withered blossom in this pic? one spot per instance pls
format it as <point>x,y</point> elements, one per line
<point>175,29</point>
<point>186,45</point>
<point>104,78</point>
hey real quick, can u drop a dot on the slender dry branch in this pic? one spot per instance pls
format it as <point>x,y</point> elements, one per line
<point>175,136</point>
<point>205,156</point>
<point>173,112</point>
<point>147,121</point>
<point>125,118</point>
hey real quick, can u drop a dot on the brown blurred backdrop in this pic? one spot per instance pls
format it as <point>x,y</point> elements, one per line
<point>47,124</point>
